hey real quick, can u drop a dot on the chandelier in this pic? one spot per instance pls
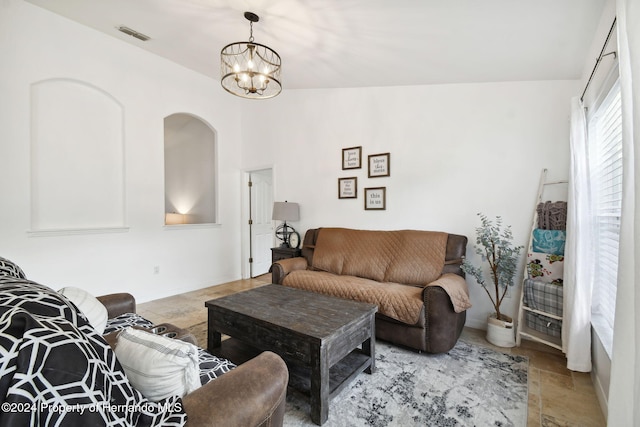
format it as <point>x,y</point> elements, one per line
<point>249,69</point>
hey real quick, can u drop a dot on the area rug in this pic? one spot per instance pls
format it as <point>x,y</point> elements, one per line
<point>468,386</point>
<point>200,332</point>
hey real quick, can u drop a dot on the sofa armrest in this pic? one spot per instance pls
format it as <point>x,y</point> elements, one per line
<point>280,269</point>
<point>443,325</point>
<point>253,394</point>
<point>118,304</point>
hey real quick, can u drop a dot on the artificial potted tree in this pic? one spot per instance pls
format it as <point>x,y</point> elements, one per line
<point>495,247</point>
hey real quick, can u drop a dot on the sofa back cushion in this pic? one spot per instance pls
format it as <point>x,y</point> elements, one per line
<point>404,256</point>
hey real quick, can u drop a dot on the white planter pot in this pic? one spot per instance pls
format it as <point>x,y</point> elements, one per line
<point>500,332</point>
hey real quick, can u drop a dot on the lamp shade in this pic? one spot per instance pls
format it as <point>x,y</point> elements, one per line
<point>285,211</point>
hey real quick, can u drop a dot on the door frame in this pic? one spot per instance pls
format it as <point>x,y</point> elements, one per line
<point>245,214</point>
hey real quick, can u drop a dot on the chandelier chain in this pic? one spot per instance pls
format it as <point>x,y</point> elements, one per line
<point>251,31</point>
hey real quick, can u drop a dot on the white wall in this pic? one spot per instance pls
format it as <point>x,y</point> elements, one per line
<point>38,45</point>
<point>456,150</point>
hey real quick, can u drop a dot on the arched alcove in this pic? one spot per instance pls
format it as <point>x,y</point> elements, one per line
<point>77,157</point>
<point>189,170</point>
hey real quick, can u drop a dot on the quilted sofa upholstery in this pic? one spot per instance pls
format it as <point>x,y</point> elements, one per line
<point>56,369</point>
<point>413,276</point>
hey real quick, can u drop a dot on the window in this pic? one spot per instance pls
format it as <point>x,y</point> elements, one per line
<point>605,163</point>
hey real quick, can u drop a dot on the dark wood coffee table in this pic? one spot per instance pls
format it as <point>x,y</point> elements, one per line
<point>305,328</point>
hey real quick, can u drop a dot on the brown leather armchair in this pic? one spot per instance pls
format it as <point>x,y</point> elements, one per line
<point>253,394</point>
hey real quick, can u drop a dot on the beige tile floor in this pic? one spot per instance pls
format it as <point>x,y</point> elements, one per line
<point>558,397</point>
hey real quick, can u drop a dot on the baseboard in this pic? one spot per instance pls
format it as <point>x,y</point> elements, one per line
<point>476,323</point>
<point>600,393</point>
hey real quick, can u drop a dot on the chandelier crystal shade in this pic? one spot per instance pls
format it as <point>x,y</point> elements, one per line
<point>249,69</point>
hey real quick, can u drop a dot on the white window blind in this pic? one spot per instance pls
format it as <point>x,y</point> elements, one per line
<point>605,161</point>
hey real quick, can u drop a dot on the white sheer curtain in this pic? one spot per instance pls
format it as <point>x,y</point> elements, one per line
<point>576,327</point>
<point>624,391</point>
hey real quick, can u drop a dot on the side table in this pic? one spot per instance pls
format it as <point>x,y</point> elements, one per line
<point>282,253</point>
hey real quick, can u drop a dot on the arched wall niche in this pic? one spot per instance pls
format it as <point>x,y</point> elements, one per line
<point>190,181</point>
<point>77,158</point>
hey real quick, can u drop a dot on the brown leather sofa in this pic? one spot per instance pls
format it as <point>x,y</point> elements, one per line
<point>413,276</point>
<point>253,394</point>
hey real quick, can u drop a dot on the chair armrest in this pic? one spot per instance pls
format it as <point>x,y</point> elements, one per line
<point>118,304</point>
<point>251,395</point>
<point>280,269</point>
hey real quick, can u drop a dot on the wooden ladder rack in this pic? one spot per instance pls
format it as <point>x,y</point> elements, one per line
<point>524,331</point>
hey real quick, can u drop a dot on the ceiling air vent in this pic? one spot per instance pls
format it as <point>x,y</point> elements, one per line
<point>133,33</point>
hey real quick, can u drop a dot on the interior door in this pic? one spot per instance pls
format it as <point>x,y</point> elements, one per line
<point>261,223</point>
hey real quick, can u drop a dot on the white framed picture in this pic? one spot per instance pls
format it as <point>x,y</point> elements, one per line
<point>348,188</point>
<point>379,165</point>
<point>352,158</point>
<point>375,198</point>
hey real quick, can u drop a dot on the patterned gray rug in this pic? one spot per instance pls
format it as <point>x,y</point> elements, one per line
<point>468,386</point>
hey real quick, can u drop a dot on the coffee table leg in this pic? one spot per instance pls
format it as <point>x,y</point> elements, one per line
<point>214,338</point>
<point>319,385</point>
<point>369,348</point>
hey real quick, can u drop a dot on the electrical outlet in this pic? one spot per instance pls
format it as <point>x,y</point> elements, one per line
<point>156,269</point>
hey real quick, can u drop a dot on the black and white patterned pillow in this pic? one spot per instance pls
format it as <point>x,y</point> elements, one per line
<point>126,320</point>
<point>211,367</point>
<point>10,269</point>
<point>52,358</point>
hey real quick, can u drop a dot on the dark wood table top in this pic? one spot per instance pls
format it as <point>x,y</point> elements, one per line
<point>304,313</point>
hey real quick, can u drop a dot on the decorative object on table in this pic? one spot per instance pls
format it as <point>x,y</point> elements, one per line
<point>375,198</point>
<point>352,158</point>
<point>294,240</point>
<point>379,165</point>
<point>285,211</point>
<point>250,70</point>
<point>469,385</point>
<point>348,188</point>
<point>494,245</point>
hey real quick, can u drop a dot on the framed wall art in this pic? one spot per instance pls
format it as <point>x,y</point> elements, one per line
<point>352,158</point>
<point>379,165</point>
<point>375,198</point>
<point>348,188</point>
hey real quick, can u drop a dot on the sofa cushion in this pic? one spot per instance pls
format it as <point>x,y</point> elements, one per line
<point>89,305</point>
<point>158,366</point>
<point>347,252</point>
<point>400,302</point>
<point>418,257</point>
<point>404,256</point>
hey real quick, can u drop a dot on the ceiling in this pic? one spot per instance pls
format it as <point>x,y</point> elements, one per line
<point>361,43</point>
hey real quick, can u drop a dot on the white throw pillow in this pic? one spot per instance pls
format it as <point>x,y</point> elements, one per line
<point>94,310</point>
<point>157,366</point>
